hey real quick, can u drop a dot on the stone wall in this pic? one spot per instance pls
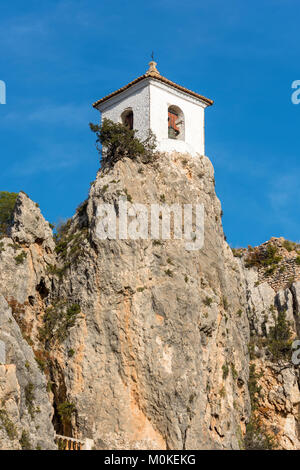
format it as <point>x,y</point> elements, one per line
<point>278,380</point>
<point>149,101</point>
<point>158,353</point>
<point>160,360</point>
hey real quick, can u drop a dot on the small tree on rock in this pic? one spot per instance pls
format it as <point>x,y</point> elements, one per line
<point>115,141</point>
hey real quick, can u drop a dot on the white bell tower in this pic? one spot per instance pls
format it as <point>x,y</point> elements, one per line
<point>173,113</point>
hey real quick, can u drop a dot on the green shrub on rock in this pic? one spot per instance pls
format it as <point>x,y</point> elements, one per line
<point>7,424</point>
<point>115,141</point>
<point>24,441</point>
<point>257,437</point>
<point>21,257</point>
<point>267,259</point>
<point>7,205</point>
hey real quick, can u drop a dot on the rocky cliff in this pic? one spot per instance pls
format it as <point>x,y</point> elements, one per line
<point>141,343</point>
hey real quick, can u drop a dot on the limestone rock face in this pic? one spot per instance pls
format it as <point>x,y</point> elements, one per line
<point>278,380</point>
<point>26,255</point>
<point>25,410</point>
<point>160,349</point>
<point>142,343</point>
<point>24,284</point>
<point>29,226</point>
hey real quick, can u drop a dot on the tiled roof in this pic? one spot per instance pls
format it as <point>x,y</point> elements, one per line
<point>153,73</point>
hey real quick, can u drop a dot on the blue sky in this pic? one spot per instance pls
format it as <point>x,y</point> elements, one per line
<point>57,57</point>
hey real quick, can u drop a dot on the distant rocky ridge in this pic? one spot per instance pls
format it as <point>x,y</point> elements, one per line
<point>141,344</point>
<point>280,269</point>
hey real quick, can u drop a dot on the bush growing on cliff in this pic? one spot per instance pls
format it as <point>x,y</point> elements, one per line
<point>81,209</point>
<point>289,246</point>
<point>237,252</point>
<point>29,398</point>
<point>253,387</point>
<point>257,437</point>
<point>7,205</point>
<point>208,301</point>
<point>116,141</point>
<point>69,244</point>
<point>24,441</point>
<point>225,369</point>
<point>60,236</point>
<point>57,322</point>
<point>21,258</point>
<point>8,425</point>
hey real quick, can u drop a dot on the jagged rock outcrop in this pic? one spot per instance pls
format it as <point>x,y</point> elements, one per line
<point>159,354</point>
<point>272,292</point>
<point>141,343</point>
<point>25,410</point>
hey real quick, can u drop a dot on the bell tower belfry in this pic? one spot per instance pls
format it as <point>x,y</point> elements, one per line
<point>173,113</point>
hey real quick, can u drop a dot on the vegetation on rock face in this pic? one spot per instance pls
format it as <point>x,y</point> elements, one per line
<point>256,437</point>
<point>267,258</point>
<point>277,342</point>
<point>81,209</point>
<point>225,369</point>
<point>69,245</point>
<point>237,252</point>
<point>7,205</point>
<point>29,398</point>
<point>253,387</point>
<point>119,141</point>
<point>279,338</point>
<point>208,301</point>
<point>19,259</point>
<point>24,441</point>
<point>289,246</point>
<point>8,425</point>
<point>57,322</point>
<point>60,237</point>
<point>65,240</point>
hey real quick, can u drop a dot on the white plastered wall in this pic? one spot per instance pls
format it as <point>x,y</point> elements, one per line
<point>149,101</point>
<point>138,99</point>
<point>161,97</point>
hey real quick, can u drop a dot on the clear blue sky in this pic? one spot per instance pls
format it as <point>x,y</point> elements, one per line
<point>57,57</point>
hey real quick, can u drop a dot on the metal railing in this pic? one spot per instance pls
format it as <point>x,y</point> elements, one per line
<point>69,443</point>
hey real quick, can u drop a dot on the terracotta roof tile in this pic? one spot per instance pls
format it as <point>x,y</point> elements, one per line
<point>155,75</point>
